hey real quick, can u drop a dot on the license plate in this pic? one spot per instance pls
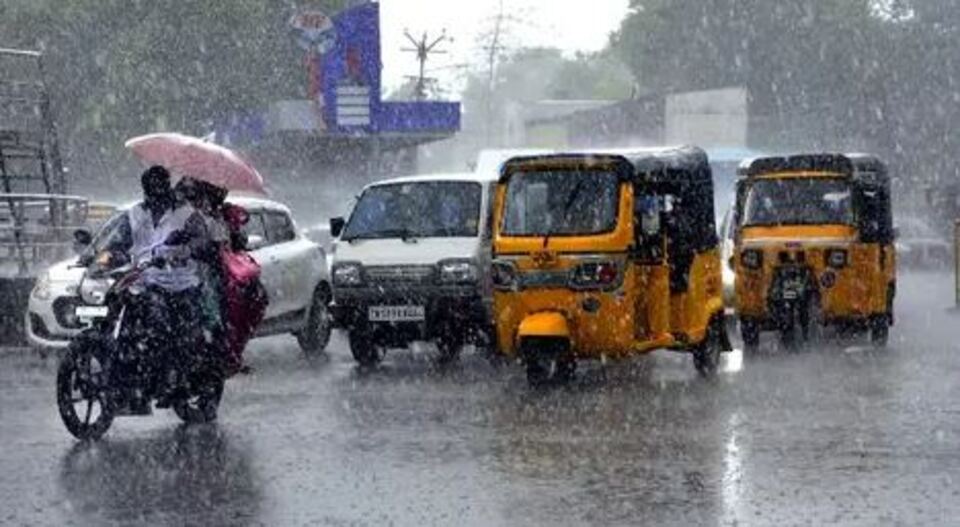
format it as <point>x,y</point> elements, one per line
<point>792,290</point>
<point>91,312</point>
<point>396,313</point>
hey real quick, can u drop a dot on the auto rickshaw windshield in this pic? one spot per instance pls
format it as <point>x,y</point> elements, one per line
<point>798,201</point>
<point>558,203</point>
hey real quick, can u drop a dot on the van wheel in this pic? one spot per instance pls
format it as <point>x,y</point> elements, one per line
<point>313,339</point>
<point>364,350</point>
<point>706,355</point>
<point>750,333</point>
<point>448,349</point>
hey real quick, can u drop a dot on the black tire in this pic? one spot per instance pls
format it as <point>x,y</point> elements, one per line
<point>365,351</point>
<point>812,322</point>
<point>706,355</point>
<point>879,330</point>
<point>548,361</point>
<point>201,406</point>
<point>313,339</point>
<point>750,333</point>
<point>448,349</point>
<point>82,377</point>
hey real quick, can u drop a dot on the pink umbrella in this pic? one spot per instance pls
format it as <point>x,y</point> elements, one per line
<point>185,155</point>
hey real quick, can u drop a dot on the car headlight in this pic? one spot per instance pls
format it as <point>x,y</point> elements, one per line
<point>41,289</point>
<point>458,272</point>
<point>837,258</point>
<point>503,275</point>
<point>347,274</point>
<point>751,259</point>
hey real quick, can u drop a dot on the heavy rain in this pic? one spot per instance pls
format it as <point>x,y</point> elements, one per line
<point>501,262</point>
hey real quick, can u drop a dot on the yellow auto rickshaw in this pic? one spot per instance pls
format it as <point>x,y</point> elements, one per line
<point>606,255</point>
<point>814,247</point>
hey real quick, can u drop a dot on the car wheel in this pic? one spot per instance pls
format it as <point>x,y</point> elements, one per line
<point>313,339</point>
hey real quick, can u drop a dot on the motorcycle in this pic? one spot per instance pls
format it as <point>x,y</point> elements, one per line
<point>116,367</point>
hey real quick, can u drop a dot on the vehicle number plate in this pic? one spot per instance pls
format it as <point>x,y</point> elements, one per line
<point>91,312</point>
<point>792,289</point>
<point>396,313</point>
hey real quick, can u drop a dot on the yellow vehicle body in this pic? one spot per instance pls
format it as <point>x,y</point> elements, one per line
<point>848,279</point>
<point>637,311</point>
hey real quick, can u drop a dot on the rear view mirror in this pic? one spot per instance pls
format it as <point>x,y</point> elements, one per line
<point>82,237</point>
<point>336,226</point>
<point>81,240</point>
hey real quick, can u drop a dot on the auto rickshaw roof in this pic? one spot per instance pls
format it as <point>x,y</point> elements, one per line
<point>866,166</point>
<point>685,160</point>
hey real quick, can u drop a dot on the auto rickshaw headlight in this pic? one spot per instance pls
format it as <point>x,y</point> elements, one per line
<point>347,274</point>
<point>837,258</point>
<point>504,275</point>
<point>458,272</point>
<point>752,259</point>
<point>595,274</point>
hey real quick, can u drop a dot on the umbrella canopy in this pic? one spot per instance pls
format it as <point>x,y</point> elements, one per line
<point>185,155</point>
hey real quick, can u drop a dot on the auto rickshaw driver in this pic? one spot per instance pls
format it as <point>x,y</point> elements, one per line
<point>606,255</point>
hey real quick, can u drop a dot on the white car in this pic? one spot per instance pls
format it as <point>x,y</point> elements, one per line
<point>294,273</point>
<point>727,273</point>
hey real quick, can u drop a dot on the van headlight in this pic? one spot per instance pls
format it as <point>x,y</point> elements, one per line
<point>42,287</point>
<point>458,272</point>
<point>347,274</point>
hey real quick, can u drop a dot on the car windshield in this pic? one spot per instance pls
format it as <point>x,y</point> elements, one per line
<point>560,203</point>
<point>416,210</point>
<point>798,201</point>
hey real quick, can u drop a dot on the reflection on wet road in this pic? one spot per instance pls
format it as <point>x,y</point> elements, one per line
<point>840,434</point>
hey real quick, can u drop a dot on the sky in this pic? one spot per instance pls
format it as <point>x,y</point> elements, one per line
<point>551,23</point>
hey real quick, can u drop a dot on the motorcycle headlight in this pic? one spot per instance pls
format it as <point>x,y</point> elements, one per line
<point>751,259</point>
<point>504,275</point>
<point>458,272</point>
<point>347,274</point>
<point>837,258</point>
<point>41,289</point>
<point>93,292</point>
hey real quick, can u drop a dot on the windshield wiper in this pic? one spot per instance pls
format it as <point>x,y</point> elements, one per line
<point>574,194</point>
<point>406,235</point>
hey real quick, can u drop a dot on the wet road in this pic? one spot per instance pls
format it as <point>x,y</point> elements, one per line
<point>838,435</point>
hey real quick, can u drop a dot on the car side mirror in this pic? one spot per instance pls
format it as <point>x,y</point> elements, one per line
<point>255,241</point>
<point>336,226</point>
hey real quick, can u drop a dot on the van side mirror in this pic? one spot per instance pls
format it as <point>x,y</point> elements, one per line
<point>336,226</point>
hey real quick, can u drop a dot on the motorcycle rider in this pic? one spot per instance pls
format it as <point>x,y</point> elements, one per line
<point>168,233</point>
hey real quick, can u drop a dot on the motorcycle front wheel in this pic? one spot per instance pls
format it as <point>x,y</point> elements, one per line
<point>201,405</point>
<point>83,392</point>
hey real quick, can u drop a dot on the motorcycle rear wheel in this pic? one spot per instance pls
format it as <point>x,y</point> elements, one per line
<point>82,380</point>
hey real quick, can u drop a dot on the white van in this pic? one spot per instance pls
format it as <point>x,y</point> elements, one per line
<point>411,264</point>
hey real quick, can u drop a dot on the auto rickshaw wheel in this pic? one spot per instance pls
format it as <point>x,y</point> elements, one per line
<point>706,355</point>
<point>547,361</point>
<point>879,330</point>
<point>750,333</point>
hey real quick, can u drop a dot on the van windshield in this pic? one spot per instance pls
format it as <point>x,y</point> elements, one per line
<point>438,209</point>
<point>798,201</point>
<point>548,203</point>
